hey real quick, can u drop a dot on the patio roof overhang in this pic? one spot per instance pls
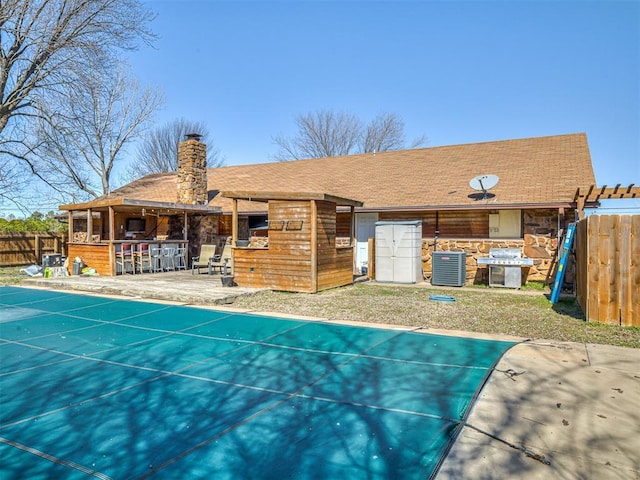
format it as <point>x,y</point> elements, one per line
<point>485,205</point>
<point>125,204</point>
<point>265,196</point>
<point>342,203</point>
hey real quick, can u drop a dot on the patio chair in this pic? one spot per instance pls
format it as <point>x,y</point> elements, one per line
<point>207,253</point>
<point>225,262</point>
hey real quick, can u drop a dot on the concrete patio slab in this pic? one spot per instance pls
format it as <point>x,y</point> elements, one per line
<point>181,287</point>
<point>554,410</point>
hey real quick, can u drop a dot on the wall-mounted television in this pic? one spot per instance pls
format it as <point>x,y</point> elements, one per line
<point>136,224</point>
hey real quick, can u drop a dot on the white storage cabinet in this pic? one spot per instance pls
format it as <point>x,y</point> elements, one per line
<point>399,251</point>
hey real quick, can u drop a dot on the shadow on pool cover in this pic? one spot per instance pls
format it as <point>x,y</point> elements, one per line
<point>104,388</point>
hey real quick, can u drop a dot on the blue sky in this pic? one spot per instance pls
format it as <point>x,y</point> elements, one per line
<point>457,72</point>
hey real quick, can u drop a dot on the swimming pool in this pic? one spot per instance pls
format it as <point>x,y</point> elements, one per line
<point>96,387</point>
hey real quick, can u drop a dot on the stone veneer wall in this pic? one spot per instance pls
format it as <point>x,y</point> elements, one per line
<point>540,243</point>
<point>192,172</point>
<point>202,229</point>
<point>192,189</point>
<point>540,248</point>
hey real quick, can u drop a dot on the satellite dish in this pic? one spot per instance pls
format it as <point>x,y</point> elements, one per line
<point>483,183</point>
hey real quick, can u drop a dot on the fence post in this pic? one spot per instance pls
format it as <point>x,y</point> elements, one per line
<point>37,248</point>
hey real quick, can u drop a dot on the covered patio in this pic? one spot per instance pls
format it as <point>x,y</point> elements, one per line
<point>98,229</point>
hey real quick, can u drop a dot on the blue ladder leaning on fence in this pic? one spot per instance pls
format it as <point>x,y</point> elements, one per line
<point>564,256</point>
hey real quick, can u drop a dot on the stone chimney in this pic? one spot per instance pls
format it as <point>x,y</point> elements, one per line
<point>192,171</point>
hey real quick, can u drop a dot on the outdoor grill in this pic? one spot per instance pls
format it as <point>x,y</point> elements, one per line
<point>505,267</point>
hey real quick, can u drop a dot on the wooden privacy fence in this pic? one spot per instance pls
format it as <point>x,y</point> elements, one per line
<point>608,268</point>
<point>17,249</point>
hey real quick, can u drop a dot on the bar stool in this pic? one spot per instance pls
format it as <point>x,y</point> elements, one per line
<point>180,258</point>
<point>142,257</point>
<point>124,257</point>
<point>156,259</point>
<point>168,257</point>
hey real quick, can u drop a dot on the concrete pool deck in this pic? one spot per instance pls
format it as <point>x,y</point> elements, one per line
<point>550,410</point>
<point>554,411</point>
<point>181,287</point>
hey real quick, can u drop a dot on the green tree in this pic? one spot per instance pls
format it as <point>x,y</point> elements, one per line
<point>36,222</point>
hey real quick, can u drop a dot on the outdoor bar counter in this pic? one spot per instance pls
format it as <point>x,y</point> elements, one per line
<point>97,228</point>
<point>101,256</point>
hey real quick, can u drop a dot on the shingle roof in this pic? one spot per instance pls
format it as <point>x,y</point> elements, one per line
<point>532,171</point>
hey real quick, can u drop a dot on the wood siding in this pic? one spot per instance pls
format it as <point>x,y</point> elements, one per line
<point>451,224</point>
<point>301,255</point>
<point>343,224</point>
<point>335,265</point>
<point>286,263</point>
<point>608,268</point>
<point>337,270</point>
<point>475,223</point>
<point>94,255</point>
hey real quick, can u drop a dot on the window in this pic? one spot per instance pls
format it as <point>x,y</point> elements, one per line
<point>505,224</point>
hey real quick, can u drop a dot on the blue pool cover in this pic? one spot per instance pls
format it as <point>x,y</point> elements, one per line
<point>94,387</point>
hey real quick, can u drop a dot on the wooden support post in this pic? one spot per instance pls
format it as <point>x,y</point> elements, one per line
<point>89,226</point>
<point>352,231</point>
<point>234,222</point>
<point>112,226</point>
<point>560,227</point>
<point>352,234</point>
<point>371,270</point>
<point>314,246</point>
<point>37,246</point>
<point>112,247</point>
<point>70,223</point>
<point>185,228</point>
<point>580,207</point>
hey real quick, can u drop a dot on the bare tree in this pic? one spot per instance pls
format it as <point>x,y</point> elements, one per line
<point>328,134</point>
<point>158,152</point>
<point>386,132</point>
<point>83,133</point>
<point>41,41</point>
<point>12,180</point>
<point>320,134</point>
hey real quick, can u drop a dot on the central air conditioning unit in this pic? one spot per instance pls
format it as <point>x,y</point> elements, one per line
<point>449,268</point>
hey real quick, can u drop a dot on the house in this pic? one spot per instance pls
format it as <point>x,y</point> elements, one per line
<point>529,207</point>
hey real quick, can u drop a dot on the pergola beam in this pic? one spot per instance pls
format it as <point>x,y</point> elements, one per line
<point>594,194</point>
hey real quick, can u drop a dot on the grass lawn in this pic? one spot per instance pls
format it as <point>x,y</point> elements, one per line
<point>527,313</point>
<point>11,275</point>
<point>482,310</point>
